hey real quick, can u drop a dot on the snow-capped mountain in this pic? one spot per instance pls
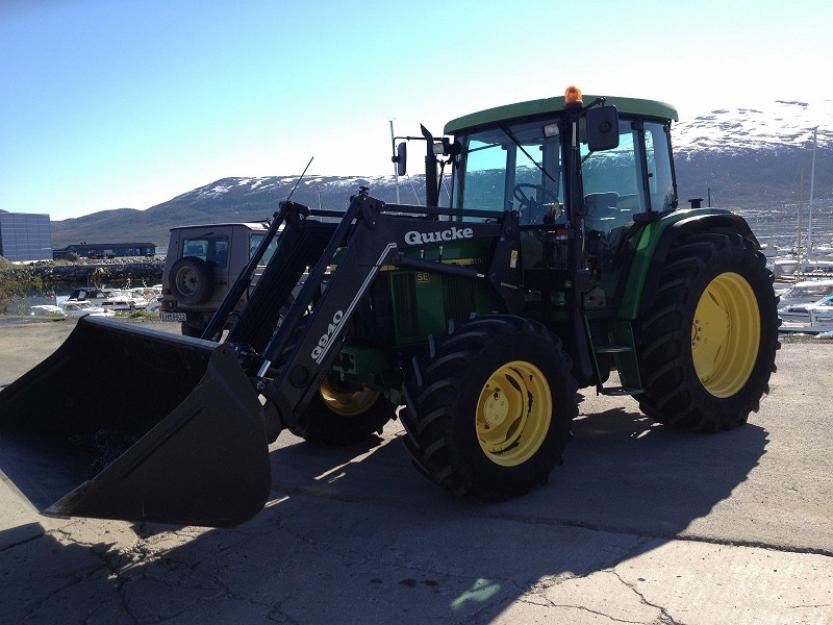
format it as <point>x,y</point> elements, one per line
<point>748,158</point>
<point>774,126</point>
<point>230,199</point>
<point>752,158</point>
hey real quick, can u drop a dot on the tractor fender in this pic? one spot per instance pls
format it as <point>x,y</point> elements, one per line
<point>656,240</point>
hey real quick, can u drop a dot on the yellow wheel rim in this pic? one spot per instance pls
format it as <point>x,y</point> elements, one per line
<point>726,334</point>
<point>514,412</point>
<point>350,403</point>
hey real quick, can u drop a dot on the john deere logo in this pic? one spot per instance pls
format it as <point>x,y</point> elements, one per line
<point>452,234</point>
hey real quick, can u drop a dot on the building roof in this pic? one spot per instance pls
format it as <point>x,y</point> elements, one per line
<point>544,106</point>
<point>5,212</point>
<point>251,225</point>
<point>105,245</point>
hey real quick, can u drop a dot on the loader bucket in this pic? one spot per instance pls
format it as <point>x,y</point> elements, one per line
<point>127,423</point>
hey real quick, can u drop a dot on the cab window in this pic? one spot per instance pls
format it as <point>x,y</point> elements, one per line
<point>612,180</point>
<point>212,250</point>
<point>658,158</point>
<point>485,181</point>
<point>514,167</point>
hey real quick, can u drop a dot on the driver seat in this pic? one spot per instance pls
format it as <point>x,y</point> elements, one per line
<point>601,211</point>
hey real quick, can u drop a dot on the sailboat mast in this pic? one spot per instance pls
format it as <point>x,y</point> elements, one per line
<point>800,209</point>
<point>812,181</point>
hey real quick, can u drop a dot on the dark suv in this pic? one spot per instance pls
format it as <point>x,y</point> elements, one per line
<point>202,262</point>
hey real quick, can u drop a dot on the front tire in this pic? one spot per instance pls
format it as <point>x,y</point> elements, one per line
<point>190,329</point>
<point>489,408</point>
<point>707,350</point>
<point>340,416</point>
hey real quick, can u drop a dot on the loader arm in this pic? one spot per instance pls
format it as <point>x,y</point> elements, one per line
<point>306,343</point>
<point>199,455</point>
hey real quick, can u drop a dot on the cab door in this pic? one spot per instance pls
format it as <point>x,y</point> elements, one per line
<point>619,185</point>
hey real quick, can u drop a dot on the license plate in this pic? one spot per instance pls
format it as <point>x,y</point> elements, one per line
<point>169,316</point>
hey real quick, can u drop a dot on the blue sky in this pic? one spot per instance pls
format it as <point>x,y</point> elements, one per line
<point>127,104</point>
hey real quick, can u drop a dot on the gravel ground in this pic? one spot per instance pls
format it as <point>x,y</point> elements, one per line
<point>640,525</point>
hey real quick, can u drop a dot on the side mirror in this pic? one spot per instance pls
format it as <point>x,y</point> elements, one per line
<point>602,128</point>
<point>401,158</point>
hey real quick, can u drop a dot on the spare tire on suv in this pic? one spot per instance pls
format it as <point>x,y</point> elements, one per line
<point>191,281</point>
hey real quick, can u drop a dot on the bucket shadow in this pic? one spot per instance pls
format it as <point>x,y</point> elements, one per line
<point>357,536</point>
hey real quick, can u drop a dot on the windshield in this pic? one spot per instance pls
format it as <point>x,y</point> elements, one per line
<point>514,167</point>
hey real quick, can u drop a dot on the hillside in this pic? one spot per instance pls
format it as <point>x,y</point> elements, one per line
<point>749,157</point>
<point>752,157</point>
<point>228,199</point>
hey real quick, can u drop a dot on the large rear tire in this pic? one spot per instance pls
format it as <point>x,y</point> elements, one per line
<point>339,416</point>
<point>489,408</point>
<point>707,348</point>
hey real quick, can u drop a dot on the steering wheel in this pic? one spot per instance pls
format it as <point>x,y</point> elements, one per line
<point>529,204</point>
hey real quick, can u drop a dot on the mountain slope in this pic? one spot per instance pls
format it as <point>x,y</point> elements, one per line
<point>750,158</point>
<point>228,199</point>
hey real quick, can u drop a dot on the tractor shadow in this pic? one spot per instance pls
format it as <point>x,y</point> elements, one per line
<point>358,536</point>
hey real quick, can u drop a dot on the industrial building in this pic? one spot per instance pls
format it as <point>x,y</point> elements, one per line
<point>25,236</point>
<point>106,250</point>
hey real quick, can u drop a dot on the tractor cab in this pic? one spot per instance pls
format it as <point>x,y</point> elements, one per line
<point>520,163</point>
<point>520,158</point>
<point>580,177</point>
<point>579,172</point>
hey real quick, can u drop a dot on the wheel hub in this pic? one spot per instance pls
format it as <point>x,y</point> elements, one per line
<point>348,403</point>
<point>496,409</point>
<point>514,412</point>
<point>725,334</point>
<point>187,281</point>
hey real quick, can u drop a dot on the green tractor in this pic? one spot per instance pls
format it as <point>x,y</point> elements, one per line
<point>560,259</point>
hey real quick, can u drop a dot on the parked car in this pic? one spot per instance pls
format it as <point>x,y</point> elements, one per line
<point>202,263</point>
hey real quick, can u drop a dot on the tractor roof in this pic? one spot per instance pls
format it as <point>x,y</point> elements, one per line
<point>544,106</point>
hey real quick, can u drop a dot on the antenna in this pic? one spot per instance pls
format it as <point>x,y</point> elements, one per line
<point>395,164</point>
<point>301,177</point>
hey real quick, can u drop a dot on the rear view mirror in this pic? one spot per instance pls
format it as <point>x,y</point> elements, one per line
<point>401,158</point>
<point>602,128</point>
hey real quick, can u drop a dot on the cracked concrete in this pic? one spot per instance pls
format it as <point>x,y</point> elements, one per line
<point>640,526</point>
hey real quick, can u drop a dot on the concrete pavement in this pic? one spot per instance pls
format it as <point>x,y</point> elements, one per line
<point>640,525</point>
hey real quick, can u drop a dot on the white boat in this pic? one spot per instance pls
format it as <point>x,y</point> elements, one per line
<point>87,293</point>
<point>144,294</point>
<point>84,307</point>
<point>124,299</point>
<point>47,310</point>
<point>821,310</point>
<point>119,302</point>
<point>817,265</point>
<point>154,304</point>
<point>785,266</point>
<point>806,292</point>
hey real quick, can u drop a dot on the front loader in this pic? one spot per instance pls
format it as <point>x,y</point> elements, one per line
<point>561,258</point>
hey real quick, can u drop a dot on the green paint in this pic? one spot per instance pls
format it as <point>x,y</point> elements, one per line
<point>548,106</point>
<point>646,246</point>
<point>649,237</point>
<point>626,362</point>
<point>589,332</point>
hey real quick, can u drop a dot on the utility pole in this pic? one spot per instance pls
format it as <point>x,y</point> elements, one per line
<point>395,165</point>
<point>810,205</point>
